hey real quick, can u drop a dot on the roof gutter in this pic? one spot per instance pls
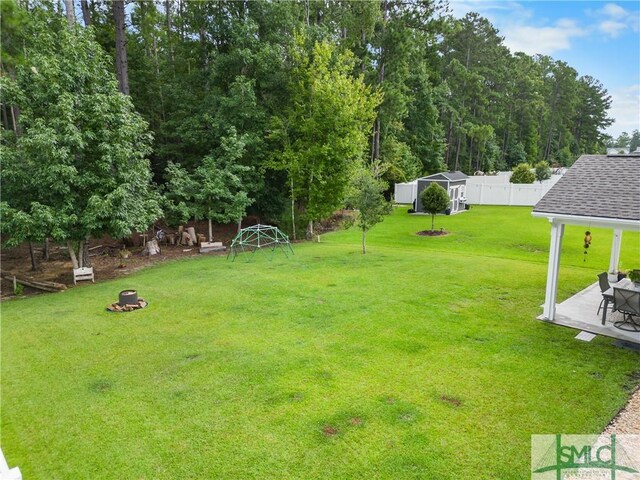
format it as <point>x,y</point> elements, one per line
<point>603,222</point>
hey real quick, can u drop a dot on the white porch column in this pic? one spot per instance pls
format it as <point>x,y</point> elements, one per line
<point>557,232</point>
<point>615,251</point>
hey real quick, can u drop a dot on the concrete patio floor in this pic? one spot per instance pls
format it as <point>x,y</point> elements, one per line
<point>580,312</point>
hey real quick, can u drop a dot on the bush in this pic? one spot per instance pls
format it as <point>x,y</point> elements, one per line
<point>543,172</point>
<point>523,174</point>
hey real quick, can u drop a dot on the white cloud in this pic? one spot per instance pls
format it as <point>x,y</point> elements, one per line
<point>543,40</point>
<point>612,20</point>
<point>613,10</point>
<point>625,110</point>
<point>516,23</point>
<point>513,19</point>
<point>612,28</point>
<point>492,10</point>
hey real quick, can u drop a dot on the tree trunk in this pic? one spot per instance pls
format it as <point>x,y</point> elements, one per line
<point>34,267</point>
<point>70,12</point>
<point>364,238</point>
<point>45,250</point>
<point>86,13</point>
<point>448,151</point>
<point>72,254</point>
<point>433,222</point>
<point>310,230</point>
<point>122,69</point>
<point>456,167</point>
<point>210,231</point>
<point>293,212</point>
<point>86,261</point>
<point>375,148</point>
<point>80,254</point>
<point>167,11</point>
<point>306,12</point>
<point>15,110</point>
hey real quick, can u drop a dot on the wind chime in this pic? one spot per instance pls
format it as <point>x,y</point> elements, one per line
<point>587,242</point>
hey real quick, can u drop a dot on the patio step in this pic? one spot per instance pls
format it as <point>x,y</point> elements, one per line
<point>585,336</point>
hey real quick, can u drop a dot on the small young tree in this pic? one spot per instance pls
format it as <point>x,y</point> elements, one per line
<point>214,190</point>
<point>522,174</point>
<point>543,172</point>
<point>434,199</point>
<point>366,197</point>
<point>323,132</point>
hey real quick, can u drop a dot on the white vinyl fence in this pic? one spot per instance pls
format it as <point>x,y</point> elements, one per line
<point>406,192</point>
<point>496,190</point>
<point>488,190</point>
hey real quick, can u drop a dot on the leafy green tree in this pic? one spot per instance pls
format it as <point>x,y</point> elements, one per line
<point>623,140</point>
<point>367,198</point>
<point>435,199</point>
<point>78,166</point>
<point>590,117</point>
<point>522,174</point>
<point>634,141</point>
<point>515,155</point>
<point>322,135</point>
<point>215,189</point>
<point>543,172</point>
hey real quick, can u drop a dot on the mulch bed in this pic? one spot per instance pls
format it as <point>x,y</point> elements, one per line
<point>432,233</point>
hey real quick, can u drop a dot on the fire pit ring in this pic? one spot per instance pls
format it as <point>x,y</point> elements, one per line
<point>128,297</point>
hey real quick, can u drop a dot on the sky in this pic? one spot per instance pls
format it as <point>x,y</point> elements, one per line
<point>601,39</point>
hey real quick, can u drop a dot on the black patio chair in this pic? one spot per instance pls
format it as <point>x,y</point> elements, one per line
<point>603,280</point>
<point>627,302</point>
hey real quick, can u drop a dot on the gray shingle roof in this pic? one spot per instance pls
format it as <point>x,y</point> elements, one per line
<point>597,186</point>
<point>451,176</point>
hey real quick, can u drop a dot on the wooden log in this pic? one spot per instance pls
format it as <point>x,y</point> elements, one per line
<point>152,247</point>
<point>30,282</point>
<point>180,234</point>
<point>186,239</point>
<point>192,234</point>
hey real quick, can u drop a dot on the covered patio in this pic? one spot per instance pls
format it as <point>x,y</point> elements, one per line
<point>579,312</point>
<point>597,191</point>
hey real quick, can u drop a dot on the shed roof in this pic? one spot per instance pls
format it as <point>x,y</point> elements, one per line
<point>606,186</point>
<point>449,176</point>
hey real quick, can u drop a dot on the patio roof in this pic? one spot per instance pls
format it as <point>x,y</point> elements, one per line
<point>597,191</point>
<point>596,186</point>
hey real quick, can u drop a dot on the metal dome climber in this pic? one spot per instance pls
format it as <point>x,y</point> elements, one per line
<point>259,237</point>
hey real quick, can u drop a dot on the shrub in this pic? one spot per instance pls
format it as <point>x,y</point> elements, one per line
<point>434,199</point>
<point>543,172</point>
<point>522,174</point>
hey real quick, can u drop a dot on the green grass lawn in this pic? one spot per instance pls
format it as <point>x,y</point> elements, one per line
<point>421,359</point>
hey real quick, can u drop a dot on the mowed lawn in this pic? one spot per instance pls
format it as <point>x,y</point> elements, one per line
<point>421,359</point>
